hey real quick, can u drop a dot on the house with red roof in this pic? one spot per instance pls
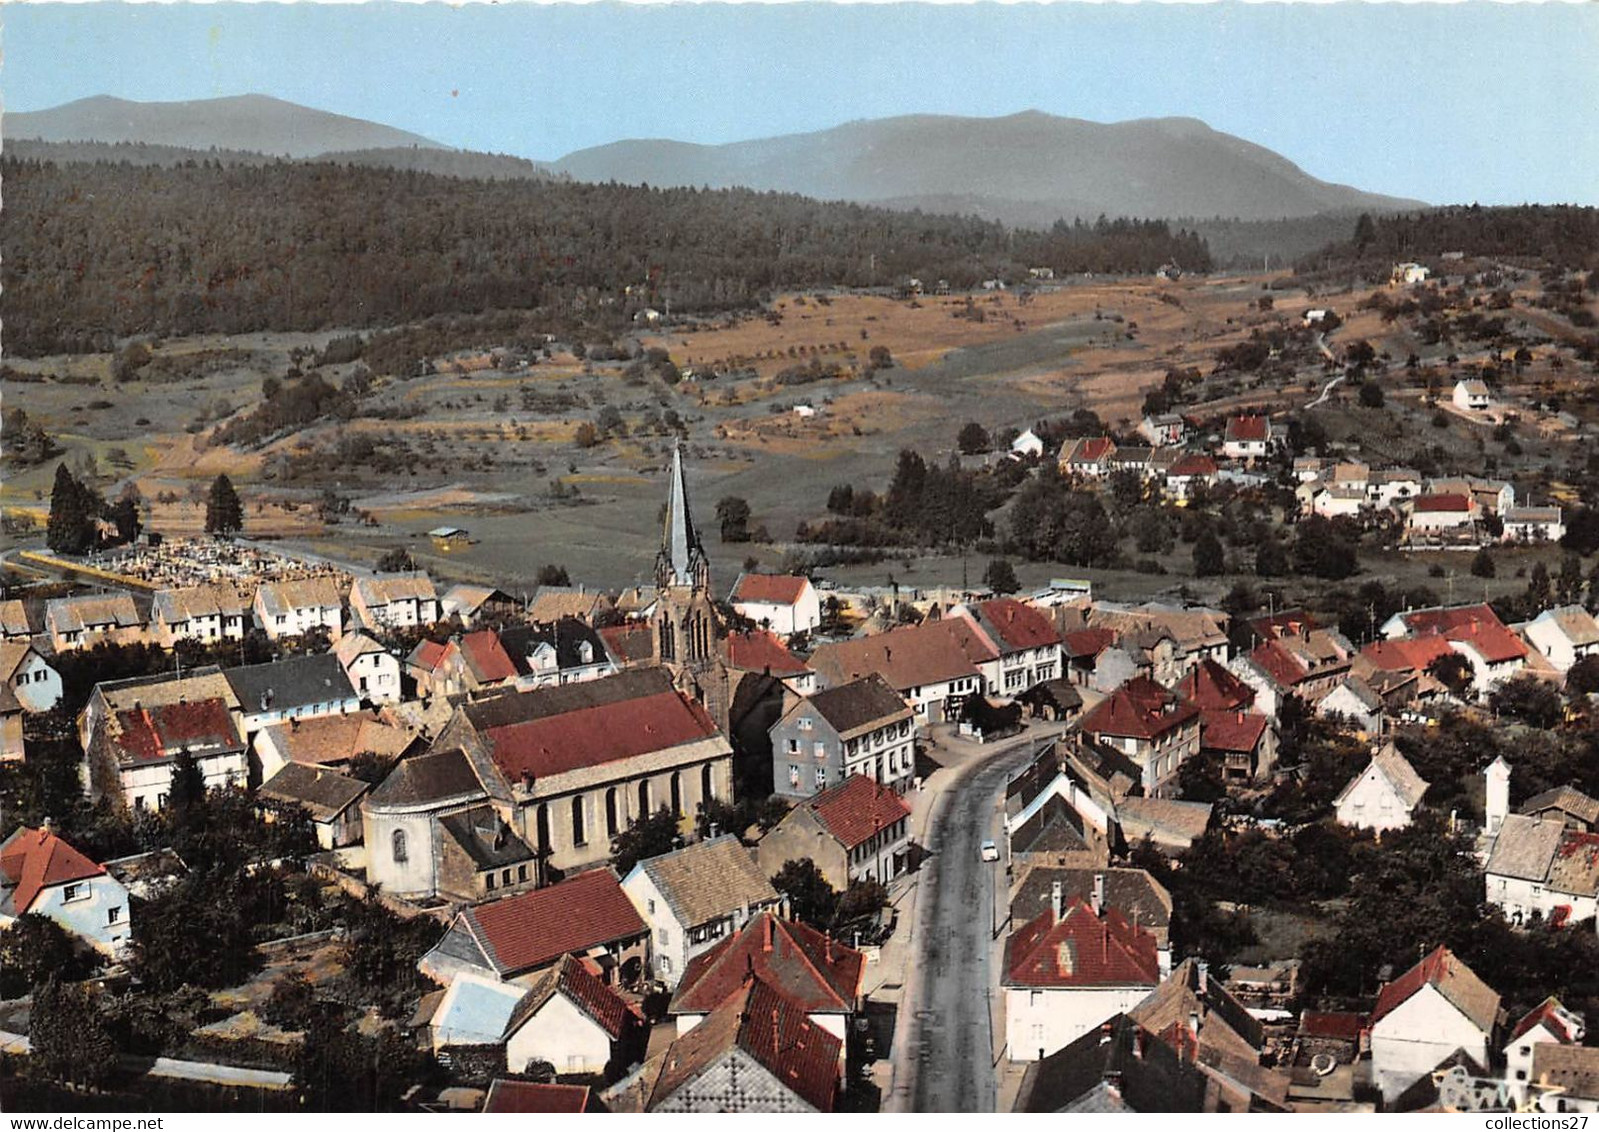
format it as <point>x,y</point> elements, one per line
<point>936,665</point>
<point>1243,742</point>
<point>815,972</point>
<point>1441,511</point>
<point>856,830</point>
<point>1023,638</point>
<point>1189,473</point>
<point>1434,1009</point>
<point>762,651</point>
<point>784,603</point>
<point>1548,1022</point>
<point>42,875</point>
<point>571,766</point>
<point>1087,457</point>
<point>1495,651</point>
<point>1154,729</point>
<point>758,1051</point>
<point>530,1097</point>
<point>571,1019</point>
<point>1070,969</point>
<point>1246,438</point>
<point>516,938</point>
<point>465,664</point>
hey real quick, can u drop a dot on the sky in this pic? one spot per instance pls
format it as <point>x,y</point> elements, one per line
<point>1445,102</point>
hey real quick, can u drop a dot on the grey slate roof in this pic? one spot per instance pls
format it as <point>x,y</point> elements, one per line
<point>1567,799</point>
<point>566,636</point>
<point>295,681</point>
<point>485,837</point>
<point>709,880</point>
<point>428,778</point>
<point>860,703</point>
<point>502,711</point>
<point>1524,847</point>
<point>325,794</point>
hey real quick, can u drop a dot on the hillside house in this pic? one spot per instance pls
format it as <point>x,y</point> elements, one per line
<point>1164,429</point>
<point>1435,1008</point>
<point>1188,475</point>
<point>1472,394</point>
<point>1246,438</point>
<point>36,685</point>
<point>93,619</point>
<point>42,875</point>
<point>1533,524</point>
<point>471,604</point>
<point>1494,651</point>
<point>1388,487</point>
<point>1539,868</point>
<point>857,830</point>
<point>1446,511</point>
<point>1027,445</point>
<point>1564,635</point>
<point>1384,796</point>
<point>1087,457</point>
<point>786,604</point>
<point>394,601</point>
<point>1550,1022</point>
<point>696,896</point>
<point>859,728</point>
<point>207,614</point>
<point>294,608</point>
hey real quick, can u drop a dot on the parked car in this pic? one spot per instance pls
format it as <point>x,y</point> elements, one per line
<point>989,851</point>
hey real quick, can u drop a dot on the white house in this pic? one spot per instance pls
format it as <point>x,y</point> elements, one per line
<point>570,1019</point>
<point>36,684</point>
<point>1405,274</point>
<point>1549,1021</point>
<point>1054,993</point>
<point>1533,524</point>
<point>206,613</point>
<point>1435,1008</point>
<point>1388,486</point>
<point>1564,635</point>
<point>1353,699</point>
<point>1029,443</point>
<point>1163,429</point>
<point>373,671</point>
<point>296,687</point>
<point>1246,438</point>
<point>1384,796</point>
<point>1540,868</point>
<point>693,897</point>
<point>1442,511</point>
<point>394,601</point>
<point>1331,502</point>
<point>40,874</point>
<point>784,603</point>
<point>1023,637</point>
<point>1473,394</point>
<point>87,620</point>
<point>290,609</point>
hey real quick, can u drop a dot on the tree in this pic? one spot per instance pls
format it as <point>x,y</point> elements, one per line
<point>861,899</point>
<point>644,838</point>
<point>552,575</point>
<point>396,561</point>
<point>1321,548</point>
<point>810,898</point>
<point>74,506</point>
<point>1001,577</point>
<point>1583,678</point>
<point>1482,564</point>
<point>342,1070</point>
<point>68,1033</point>
<point>733,514</point>
<point>1528,699</point>
<point>32,950</point>
<point>1371,395</point>
<point>1453,671</point>
<point>1209,560</point>
<point>973,439</point>
<point>1271,560</point>
<point>224,514</point>
<point>125,514</point>
<point>586,436</point>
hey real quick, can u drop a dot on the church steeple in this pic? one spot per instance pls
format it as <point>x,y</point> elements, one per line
<point>681,561</point>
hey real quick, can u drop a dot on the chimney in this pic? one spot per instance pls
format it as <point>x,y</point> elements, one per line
<point>1193,1022</point>
<point>766,934</point>
<point>1204,975</point>
<point>1055,893</point>
<point>1099,894</point>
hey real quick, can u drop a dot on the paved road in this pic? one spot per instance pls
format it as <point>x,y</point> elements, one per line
<point>948,1050</point>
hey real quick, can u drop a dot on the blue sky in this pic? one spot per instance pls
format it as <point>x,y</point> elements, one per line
<point>1497,103</point>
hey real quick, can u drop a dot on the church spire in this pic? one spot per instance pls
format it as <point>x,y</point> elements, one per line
<point>681,561</point>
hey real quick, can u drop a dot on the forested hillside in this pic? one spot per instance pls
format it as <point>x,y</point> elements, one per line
<point>1556,234</point>
<point>97,251</point>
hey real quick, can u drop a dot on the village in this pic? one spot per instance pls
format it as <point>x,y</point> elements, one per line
<point>666,850</point>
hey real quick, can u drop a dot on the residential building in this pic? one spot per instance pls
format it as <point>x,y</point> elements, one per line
<point>1188,475</point>
<point>42,875</point>
<point>1388,487</point>
<point>1244,743</point>
<point>1141,899</point>
<point>1023,637</point>
<point>1567,1075</point>
<point>1069,970</point>
<point>1087,457</point>
<point>1473,394</point>
<point>1566,804</point>
<point>134,731</point>
<point>856,830</point>
<point>1435,1008</point>
<point>21,620</point>
<point>556,603</point>
<point>471,604</point>
<point>694,897</point>
<point>205,613</point>
<point>1533,524</point>
<point>373,671</point>
<point>570,1019</point>
<point>516,938</point>
<point>568,651</point>
<point>1355,700</point>
<point>296,687</point>
<point>294,608</point>
<point>1118,1068</point>
<point>333,741</point>
<point>1539,868</point>
<point>785,604</point>
<point>935,666</point>
<point>527,1098</point>
<point>1564,635</point>
<point>13,742</point>
<point>1474,631</point>
<point>1246,438</point>
<point>94,619</point>
<point>1405,274</point>
<point>1442,511</point>
<point>35,683</point>
<point>1156,730</point>
<point>1163,429</point>
<point>473,1012</point>
<point>462,665</point>
<point>760,651</point>
<point>1028,444</point>
<point>1382,797</point>
<point>393,601</point>
<point>330,800</point>
<point>859,728</point>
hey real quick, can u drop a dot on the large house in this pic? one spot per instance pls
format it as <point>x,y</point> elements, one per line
<point>134,731</point>
<point>1437,1007</point>
<point>331,801</point>
<point>1087,457</point>
<point>936,666</point>
<point>296,687</point>
<point>1539,867</point>
<point>205,613</point>
<point>42,875</point>
<point>1070,969</point>
<point>1382,797</point>
<point>1246,438</point>
<point>334,741</point>
<point>856,830</point>
<point>1154,729</point>
<point>1494,651</point>
<point>93,619</point>
<point>1023,638</point>
<point>567,651</point>
<point>572,766</point>
<point>1564,635</point>
<point>785,604</point>
<point>859,728</point>
<point>30,677</point>
<point>373,671</point>
<point>462,665</point>
<point>693,897</point>
<point>394,601</point>
<point>294,608</point>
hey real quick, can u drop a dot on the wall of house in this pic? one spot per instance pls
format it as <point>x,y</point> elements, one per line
<point>807,754</point>
<point>255,720</point>
<point>1372,804</point>
<point>1519,899</point>
<point>376,677</point>
<point>37,685</point>
<point>299,621</point>
<point>562,1035</point>
<point>1050,1019</point>
<point>89,915</point>
<point>417,875</point>
<point>1518,1059</point>
<point>11,737</point>
<point>146,786</point>
<point>668,939</point>
<point>1412,1039</point>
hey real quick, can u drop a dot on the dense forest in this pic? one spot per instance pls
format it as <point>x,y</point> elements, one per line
<point>98,251</point>
<point>1560,235</point>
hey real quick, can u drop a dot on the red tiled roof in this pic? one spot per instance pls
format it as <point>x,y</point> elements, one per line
<point>776,1031</point>
<point>1476,625</point>
<point>1081,950</point>
<point>428,655</point>
<point>1246,428</point>
<point>1457,982</point>
<point>1015,625</point>
<point>909,657</point>
<point>608,1009</point>
<point>857,808</point>
<point>528,930</point>
<point>760,650</point>
<point>1087,642</point>
<point>1278,663</point>
<point>1231,730</point>
<point>1288,623</point>
<point>487,657</point>
<point>1550,1014</point>
<point>1091,450</point>
<point>769,589</point>
<point>629,643</point>
<point>1210,687</point>
<point>1344,1026</point>
<point>159,732</point>
<point>1193,465</point>
<point>1411,654</point>
<point>36,859</point>
<point>1444,501</point>
<point>818,973</point>
<point>601,734</point>
<point>528,1097</point>
<point>1139,709</point>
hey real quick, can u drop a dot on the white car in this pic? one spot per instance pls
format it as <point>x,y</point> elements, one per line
<point>989,851</point>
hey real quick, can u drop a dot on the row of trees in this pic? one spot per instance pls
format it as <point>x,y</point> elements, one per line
<point>77,509</point>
